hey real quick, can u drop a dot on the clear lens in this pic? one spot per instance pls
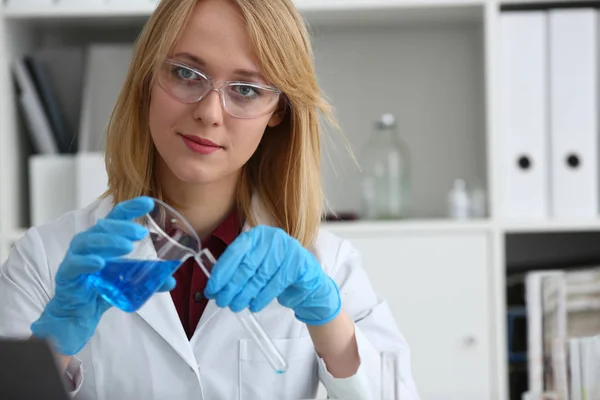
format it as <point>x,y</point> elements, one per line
<point>183,83</point>
<point>249,101</point>
<point>242,100</point>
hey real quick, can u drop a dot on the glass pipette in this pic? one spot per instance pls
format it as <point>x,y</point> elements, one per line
<point>249,321</point>
<point>164,218</point>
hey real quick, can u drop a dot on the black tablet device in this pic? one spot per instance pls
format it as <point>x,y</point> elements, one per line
<point>28,371</point>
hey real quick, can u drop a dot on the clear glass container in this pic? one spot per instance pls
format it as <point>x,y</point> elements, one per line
<point>128,283</point>
<point>389,376</point>
<point>385,173</point>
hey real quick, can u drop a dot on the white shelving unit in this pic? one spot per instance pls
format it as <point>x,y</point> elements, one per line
<point>592,225</point>
<point>434,63</point>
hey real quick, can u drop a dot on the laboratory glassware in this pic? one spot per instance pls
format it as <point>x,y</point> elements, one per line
<point>389,376</point>
<point>128,283</point>
<point>385,172</point>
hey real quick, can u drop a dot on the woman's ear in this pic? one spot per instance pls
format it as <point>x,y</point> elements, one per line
<point>276,118</point>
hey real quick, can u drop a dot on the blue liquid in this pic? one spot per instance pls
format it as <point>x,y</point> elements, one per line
<point>128,284</point>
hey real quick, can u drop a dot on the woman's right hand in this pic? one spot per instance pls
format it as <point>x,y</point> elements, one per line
<point>72,315</point>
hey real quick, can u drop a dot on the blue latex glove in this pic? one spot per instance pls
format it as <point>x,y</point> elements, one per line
<point>266,263</point>
<point>72,315</point>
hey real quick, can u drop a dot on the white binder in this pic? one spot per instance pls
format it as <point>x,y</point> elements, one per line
<point>91,179</point>
<point>35,117</point>
<point>524,114</point>
<point>51,187</point>
<point>107,65</point>
<point>61,183</point>
<point>574,112</point>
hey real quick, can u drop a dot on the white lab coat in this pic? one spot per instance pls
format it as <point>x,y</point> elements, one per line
<point>147,355</point>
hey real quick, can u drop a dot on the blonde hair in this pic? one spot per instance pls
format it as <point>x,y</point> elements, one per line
<point>285,170</point>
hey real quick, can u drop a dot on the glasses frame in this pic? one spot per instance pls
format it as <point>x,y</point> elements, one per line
<point>218,86</point>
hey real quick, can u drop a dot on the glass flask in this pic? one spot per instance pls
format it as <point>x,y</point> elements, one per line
<point>385,173</point>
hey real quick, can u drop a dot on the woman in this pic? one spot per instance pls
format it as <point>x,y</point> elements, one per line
<point>218,117</point>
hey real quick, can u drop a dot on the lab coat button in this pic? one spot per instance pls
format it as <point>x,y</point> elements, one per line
<point>198,297</point>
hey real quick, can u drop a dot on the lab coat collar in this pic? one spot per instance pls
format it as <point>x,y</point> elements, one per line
<point>159,311</point>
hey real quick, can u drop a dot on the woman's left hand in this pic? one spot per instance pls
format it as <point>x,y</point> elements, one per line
<point>265,263</point>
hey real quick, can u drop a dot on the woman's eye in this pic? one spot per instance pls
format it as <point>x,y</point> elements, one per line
<point>247,91</point>
<point>185,73</point>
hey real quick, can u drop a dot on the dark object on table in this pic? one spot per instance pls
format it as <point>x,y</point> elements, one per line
<point>349,216</point>
<point>28,370</point>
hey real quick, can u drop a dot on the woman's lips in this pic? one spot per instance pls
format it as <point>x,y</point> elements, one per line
<point>200,145</point>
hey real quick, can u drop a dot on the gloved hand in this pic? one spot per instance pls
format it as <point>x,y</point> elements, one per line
<point>72,315</point>
<point>265,263</point>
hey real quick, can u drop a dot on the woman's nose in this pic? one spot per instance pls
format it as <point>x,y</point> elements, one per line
<point>209,110</point>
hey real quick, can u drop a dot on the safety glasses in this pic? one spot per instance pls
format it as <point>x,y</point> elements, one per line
<point>240,99</point>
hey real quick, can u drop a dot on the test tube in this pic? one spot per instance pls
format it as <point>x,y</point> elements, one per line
<point>249,321</point>
<point>389,381</point>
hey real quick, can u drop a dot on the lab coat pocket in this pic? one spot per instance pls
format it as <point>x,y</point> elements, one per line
<point>258,380</point>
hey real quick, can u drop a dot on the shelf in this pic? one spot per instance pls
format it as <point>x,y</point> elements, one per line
<point>515,5</point>
<point>434,225</point>
<point>77,11</point>
<point>409,226</point>
<point>391,12</point>
<point>13,235</point>
<point>542,226</point>
<point>458,226</point>
<point>369,4</point>
<point>330,12</point>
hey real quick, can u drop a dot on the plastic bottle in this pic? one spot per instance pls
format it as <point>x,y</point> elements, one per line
<point>478,203</point>
<point>459,204</point>
<point>385,173</point>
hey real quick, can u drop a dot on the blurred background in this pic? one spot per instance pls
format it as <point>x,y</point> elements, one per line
<point>472,191</point>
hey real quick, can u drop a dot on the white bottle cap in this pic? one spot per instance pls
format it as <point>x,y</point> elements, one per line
<point>459,184</point>
<point>386,121</point>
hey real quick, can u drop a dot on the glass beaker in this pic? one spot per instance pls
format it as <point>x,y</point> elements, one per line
<point>128,283</point>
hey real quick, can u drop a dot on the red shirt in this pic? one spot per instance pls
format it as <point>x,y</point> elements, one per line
<point>188,295</point>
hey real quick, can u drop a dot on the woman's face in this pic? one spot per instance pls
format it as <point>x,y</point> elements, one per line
<point>201,143</point>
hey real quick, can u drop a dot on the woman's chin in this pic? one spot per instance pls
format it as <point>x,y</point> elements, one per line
<point>196,176</point>
<point>194,173</point>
